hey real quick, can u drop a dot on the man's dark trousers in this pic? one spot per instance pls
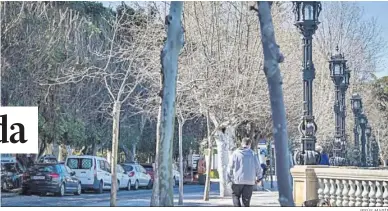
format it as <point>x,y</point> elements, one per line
<point>242,191</point>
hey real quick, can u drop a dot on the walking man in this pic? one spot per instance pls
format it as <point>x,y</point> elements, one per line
<point>243,172</point>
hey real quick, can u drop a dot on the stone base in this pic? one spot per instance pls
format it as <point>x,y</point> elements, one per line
<point>305,183</point>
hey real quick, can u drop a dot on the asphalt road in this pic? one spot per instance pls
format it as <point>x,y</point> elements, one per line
<point>139,197</point>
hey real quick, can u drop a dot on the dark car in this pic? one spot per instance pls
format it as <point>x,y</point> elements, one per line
<point>50,178</point>
<point>149,169</point>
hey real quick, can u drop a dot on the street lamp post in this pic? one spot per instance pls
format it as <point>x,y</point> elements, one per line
<point>337,73</point>
<point>368,145</point>
<point>344,87</point>
<point>374,152</point>
<point>356,103</point>
<point>363,122</point>
<point>306,20</point>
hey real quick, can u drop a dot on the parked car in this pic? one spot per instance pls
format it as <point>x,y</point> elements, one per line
<point>138,175</point>
<point>123,179</point>
<point>50,178</point>
<point>94,172</point>
<point>47,159</point>
<point>149,169</point>
<point>11,175</point>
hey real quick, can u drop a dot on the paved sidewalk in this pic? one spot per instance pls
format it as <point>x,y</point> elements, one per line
<point>259,199</point>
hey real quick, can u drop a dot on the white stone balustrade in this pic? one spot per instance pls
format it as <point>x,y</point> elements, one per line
<point>352,187</point>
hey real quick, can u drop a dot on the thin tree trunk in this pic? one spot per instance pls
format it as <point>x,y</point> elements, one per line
<point>166,119</point>
<point>209,160</point>
<point>272,58</point>
<point>181,122</point>
<point>115,147</point>
<point>133,154</point>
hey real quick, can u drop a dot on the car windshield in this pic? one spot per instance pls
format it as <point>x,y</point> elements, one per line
<point>127,167</point>
<point>80,163</point>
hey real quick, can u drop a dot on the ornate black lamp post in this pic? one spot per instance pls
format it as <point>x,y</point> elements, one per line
<point>363,122</point>
<point>356,103</point>
<point>374,152</point>
<point>337,74</point>
<point>344,87</point>
<point>368,145</point>
<point>306,20</point>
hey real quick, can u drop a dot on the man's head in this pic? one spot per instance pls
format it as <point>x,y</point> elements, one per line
<point>319,149</point>
<point>246,142</point>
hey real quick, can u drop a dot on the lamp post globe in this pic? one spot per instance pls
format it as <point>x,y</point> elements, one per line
<point>306,20</point>
<point>368,130</point>
<point>307,16</point>
<point>356,103</point>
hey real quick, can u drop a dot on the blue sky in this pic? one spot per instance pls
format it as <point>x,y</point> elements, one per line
<point>376,9</point>
<point>379,10</point>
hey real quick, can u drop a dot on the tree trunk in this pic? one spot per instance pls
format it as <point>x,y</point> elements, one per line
<point>60,152</point>
<point>272,57</point>
<point>165,127</point>
<point>49,149</point>
<point>108,155</point>
<point>181,123</point>
<point>133,154</point>
<point>209,160</point>
<point>115,147</point>
<point>223,148</point>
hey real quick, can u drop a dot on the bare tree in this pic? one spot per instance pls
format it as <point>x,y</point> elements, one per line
<point>272,58</point>
<point>162,194</point>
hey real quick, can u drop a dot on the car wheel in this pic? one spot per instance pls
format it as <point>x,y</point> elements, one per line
<point>100,189</point>
<point>149,186</point>
<point>136,187</point>
<point>129,185</point>
<point>79,190</point>
<point>61,190</point>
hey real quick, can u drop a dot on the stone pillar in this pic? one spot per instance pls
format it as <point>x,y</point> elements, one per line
<point>305,183</point>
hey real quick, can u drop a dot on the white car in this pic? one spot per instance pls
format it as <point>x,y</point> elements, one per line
<point>124,181</point>
<point>138,175</point>
<point>94,172</point>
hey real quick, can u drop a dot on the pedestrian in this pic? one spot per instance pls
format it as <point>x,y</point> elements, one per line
<point>324,156</point>
<point>243,172</point>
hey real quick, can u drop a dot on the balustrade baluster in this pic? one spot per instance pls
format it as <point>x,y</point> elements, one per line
<point>358,194</point>
<point>352,193</point>
<point>338,192</point>
<point>379,194</point>
<point>332,193</point>
<point>385,194</point>
<point>345,192</point>
<point>372,194</point>
<point>326,190</point>
<point>364,194</point>
<point>320,189</point>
